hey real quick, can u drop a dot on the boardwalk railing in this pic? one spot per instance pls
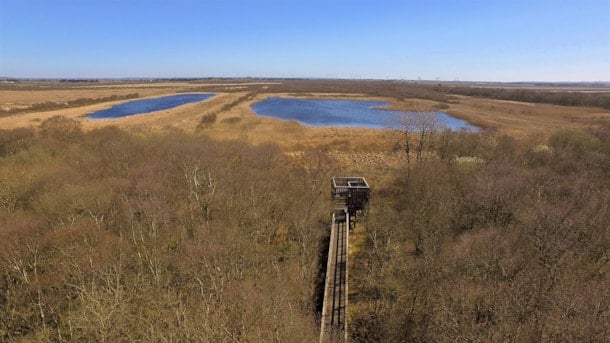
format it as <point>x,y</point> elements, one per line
<point>334,321</point>
<point>354,193</point>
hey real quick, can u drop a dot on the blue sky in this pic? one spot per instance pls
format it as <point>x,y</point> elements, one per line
<point>541,40</point>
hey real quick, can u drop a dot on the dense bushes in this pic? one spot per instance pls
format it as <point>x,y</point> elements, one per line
<point>60,128</point>
<point>510,247</point>
<point>110,236</point>
<point>395,89</point>
<point>115,236</point>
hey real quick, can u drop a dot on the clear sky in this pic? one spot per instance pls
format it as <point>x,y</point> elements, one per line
<point>487,40</point>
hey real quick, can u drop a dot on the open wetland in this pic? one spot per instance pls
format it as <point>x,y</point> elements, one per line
<point>148,105</point>
<point>347,113</point>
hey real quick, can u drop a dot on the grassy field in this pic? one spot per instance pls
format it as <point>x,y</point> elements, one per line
<point>518,119</point>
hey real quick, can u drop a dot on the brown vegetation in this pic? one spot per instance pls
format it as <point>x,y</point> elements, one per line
<point>210,118</point>
<point>585,99</point>
<point>165,232</point>
<point>234,97</point>
<point>49,106</point>
<point>483,241</point>
<point>109,236</point>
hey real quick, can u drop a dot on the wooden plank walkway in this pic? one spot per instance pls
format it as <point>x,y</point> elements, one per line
<point>334,323</point>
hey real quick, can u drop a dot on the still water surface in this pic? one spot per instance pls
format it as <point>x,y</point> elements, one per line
<point>148,105</point>
<point>350,113</point>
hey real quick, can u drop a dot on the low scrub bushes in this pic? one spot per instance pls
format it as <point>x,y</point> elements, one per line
<point>509,249</point>
<point>110,236</point>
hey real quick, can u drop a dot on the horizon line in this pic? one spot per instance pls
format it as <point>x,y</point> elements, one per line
<point>193,78</point>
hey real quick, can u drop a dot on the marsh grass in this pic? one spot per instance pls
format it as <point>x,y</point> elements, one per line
<point>50,106</point>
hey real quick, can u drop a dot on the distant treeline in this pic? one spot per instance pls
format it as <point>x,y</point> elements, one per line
<point>398,90</point>
<point>564,98</point>
<point>49,105</point>
<point>442,93</point>
<point>439,92</point>
<point>79,80</point>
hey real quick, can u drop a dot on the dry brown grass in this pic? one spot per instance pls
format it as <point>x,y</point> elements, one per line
<point>517,119</point>
<point>520,119</point>
<point>182,116</point>
<point>10,99</point>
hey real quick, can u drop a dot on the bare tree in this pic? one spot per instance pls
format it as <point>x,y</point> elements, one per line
<point>422,124</point>
<point>405,126</point>
<point>426,124</point>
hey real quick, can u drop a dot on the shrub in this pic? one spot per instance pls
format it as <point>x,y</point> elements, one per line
<point>207,121</point>
<point>501,251</point>
<point>109,236</point>
<point>13,141</point>
<point>231,120</point>
<point>60,128</point>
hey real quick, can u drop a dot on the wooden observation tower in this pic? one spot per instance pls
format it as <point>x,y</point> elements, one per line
<point>353,191</point>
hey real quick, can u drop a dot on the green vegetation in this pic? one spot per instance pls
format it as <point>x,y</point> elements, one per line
<point>111,236</point>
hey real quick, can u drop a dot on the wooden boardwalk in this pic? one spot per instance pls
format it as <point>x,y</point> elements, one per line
<point>334,322</point>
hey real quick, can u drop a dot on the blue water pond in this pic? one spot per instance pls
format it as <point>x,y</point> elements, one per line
<point>148,105</point>
<point>349,113</point>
